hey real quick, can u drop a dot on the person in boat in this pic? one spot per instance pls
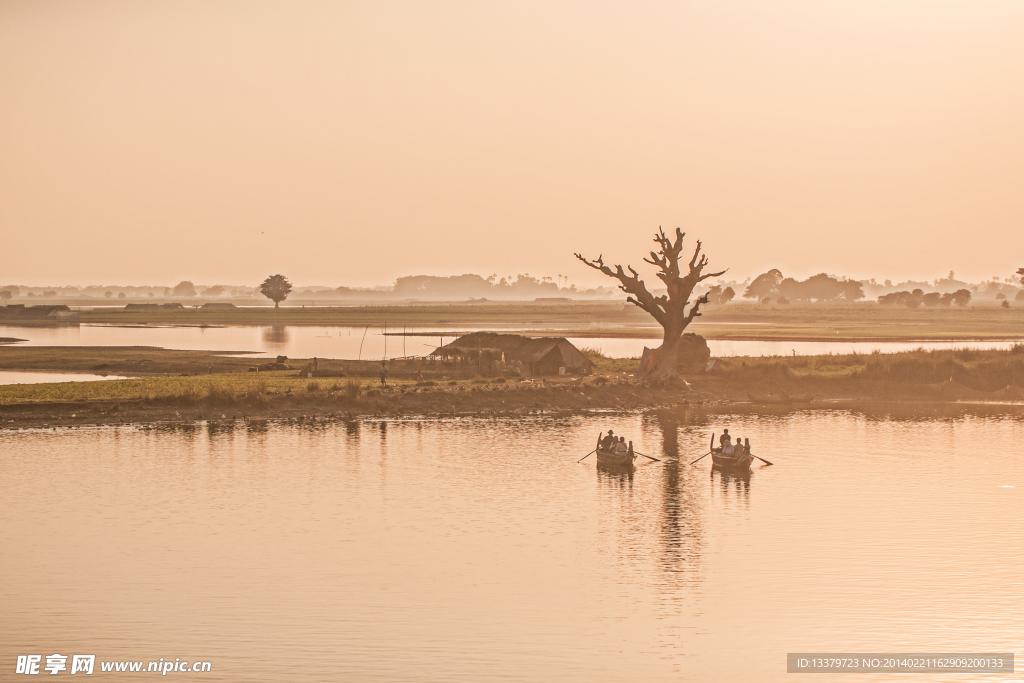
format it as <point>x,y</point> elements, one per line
<point>725,441</point>
<point>608,442</point>
<point>746,446</point>
<point>620,445</point>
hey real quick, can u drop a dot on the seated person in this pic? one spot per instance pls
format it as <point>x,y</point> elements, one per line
<point>621,446</point>
<point>727,448</point>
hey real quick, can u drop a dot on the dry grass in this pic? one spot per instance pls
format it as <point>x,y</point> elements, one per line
<point>353,388</point>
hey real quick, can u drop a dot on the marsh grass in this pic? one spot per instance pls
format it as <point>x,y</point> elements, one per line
<point>981,370</point>
<point>182,390</point>
<point>353,388</point>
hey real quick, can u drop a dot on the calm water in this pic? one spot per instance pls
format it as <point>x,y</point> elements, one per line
<point>477,550</point>
<point>300,341</point>
<point>29,377</point>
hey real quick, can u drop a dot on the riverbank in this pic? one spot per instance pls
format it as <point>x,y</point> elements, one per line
<point>938,377</point>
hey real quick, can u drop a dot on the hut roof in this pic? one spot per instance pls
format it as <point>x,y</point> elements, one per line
<point>516,347</point>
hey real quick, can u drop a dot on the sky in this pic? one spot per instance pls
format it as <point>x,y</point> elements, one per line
<point>351,143</point>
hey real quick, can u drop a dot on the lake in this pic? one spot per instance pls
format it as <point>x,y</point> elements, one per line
<point>469,550</point>
<point>32,377</point>
<point>302,341</point>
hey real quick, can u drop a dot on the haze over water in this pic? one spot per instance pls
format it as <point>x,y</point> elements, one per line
<point>480,550</point>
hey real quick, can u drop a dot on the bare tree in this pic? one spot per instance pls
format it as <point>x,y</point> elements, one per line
<point>669,310</point>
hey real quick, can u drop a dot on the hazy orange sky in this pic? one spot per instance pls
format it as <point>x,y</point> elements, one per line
<point>351,143</point>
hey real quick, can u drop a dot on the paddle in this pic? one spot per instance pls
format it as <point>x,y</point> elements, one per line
<point>762,459</point>
<point>701,458</point>
<point>586,456</point>
<point>646,456</point>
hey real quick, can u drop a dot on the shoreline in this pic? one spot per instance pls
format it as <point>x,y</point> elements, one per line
<point>552,400</point>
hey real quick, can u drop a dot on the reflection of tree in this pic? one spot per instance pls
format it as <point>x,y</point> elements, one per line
<point>276,335</point>
<point>681,519</point>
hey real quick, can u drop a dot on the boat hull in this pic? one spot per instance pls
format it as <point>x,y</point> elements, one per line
<point>731,462</point>
<point>615,459</point>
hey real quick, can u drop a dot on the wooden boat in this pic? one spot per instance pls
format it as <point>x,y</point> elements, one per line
<point>731,462</point>
<point>614,459</point>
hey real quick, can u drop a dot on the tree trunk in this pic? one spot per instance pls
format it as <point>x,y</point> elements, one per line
<point>276,302</point>
<point>667,365</point>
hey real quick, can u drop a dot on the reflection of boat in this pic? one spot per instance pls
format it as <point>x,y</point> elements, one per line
<point>614,458</point>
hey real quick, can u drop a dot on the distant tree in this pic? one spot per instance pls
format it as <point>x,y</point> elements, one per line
<point>782,300</point>
<point>50,293</point>
<point>962,297</point>
<point>1000,296</point>
<point>108,294</point>
<point>1020,275</point>
<point>1020,296</point>
<point>673,310</point>
<point>6,295</point>
<point>716,295</point>
<point>184,288</point>
<point>120,295</point>
<point>216,290</point>
<point>276,288</point>
<point>150,294</point>
<point>765,285</point>
<point>1006,304</point>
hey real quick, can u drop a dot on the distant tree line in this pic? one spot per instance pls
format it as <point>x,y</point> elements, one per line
<point>960,297</point>
<point>821,288</point>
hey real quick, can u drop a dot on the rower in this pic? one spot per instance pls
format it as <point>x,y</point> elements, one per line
<point>608,442</point>
<point>725,440</point>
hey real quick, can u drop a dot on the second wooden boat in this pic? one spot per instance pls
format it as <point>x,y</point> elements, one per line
<point>615,458</point>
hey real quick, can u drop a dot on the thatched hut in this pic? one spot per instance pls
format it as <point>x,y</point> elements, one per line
<point>535,355</point>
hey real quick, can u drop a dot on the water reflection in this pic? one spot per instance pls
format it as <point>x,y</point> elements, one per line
<point>275,336</point>
<point>487,548</point>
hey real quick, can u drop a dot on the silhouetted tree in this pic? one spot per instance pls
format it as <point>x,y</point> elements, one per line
<point>962,297</point>
<point>6,295</point>
<point>717,295</point>
<point>276,288</point>
<point>184,288</point>
<point>765,285</point>
<point>670,310</point>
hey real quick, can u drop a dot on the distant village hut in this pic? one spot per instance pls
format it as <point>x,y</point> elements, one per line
<point>533,355</point>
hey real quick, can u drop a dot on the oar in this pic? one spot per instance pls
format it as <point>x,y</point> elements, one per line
<point>762,459</point>
<point>586,456</point>
<point>646,456</point>
<point>701,458</point>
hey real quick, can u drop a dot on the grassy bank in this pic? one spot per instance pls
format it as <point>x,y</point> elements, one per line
<point>918,376</point>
